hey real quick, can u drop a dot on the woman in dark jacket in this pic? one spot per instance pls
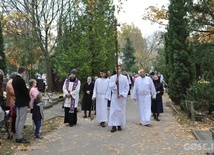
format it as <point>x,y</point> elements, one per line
<point>157,104</point>
<point>87,97</point>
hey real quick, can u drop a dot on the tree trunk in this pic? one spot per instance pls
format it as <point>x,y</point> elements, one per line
<point>49,74</point>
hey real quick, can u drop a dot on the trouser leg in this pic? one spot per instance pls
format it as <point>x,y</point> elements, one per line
<point>38,126</point>
<point>17,123</point>
<point>20,121</point>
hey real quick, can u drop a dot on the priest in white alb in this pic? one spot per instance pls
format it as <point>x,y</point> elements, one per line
<point>143,92</point>
<point>71,89</point>
<point>101,89</point>
<point>117,116</point>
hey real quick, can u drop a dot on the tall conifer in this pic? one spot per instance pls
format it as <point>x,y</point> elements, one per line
<point>180,69</point>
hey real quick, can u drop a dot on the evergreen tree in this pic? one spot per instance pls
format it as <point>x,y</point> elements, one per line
<point>2,54</point>
<point>128,55</point>
<point>87,41</point>
<point>180,69</point>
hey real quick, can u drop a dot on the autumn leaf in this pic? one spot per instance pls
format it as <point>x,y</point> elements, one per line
<point>16,15</point>
<point>19,31</point>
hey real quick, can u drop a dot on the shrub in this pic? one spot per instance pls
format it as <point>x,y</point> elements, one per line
<point>201,92</point>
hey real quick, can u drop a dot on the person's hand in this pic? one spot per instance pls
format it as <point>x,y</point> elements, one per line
<point>88,92</point>
<point>117,79</point>
<point>68,95</point>
<point>119,96</point>
<point>158,92</point>
<point>93,98</point>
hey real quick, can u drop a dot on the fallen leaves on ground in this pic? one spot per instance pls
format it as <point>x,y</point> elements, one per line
<point>8,146</point>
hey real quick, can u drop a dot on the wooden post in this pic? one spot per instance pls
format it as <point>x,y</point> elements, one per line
<point>192,111</point>
<point>116,50</point>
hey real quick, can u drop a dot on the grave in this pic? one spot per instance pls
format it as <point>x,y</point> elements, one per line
<point>205,137</point>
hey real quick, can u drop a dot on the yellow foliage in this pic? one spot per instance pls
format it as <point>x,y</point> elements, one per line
<point>5,19</point>
<point>203,37</point>
<point>155,14</point>
<point>47,25</point>
<point>19,31</point>
<point>203,81</point>
<point>16,15</point>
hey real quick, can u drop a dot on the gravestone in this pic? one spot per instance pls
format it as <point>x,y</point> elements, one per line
<point>212,132</point>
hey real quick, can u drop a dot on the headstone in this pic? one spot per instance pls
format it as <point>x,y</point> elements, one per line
<point>212,132</point>
<point>40,85</point>
<point>203,135</point>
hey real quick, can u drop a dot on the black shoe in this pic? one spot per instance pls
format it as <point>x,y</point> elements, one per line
<point>22,141</point>
<point>155,116</point>
<point>102,124</point>
<point>147,125</point>
<point>157,119</point>
<point>113,129</point>
<point>10,137</point>
<point>38,137</point>
<point>119,128</point>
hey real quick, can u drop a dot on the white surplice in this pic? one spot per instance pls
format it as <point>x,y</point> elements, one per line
<point>101,89</point>
<point>117,116</point>
<point>74,94</point>
<point>143,91</point>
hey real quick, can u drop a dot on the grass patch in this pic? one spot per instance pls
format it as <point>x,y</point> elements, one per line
<point>7,146</point>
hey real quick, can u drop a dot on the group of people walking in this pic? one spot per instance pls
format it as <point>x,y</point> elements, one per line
<point>107,90</point>
<point>114,89</point>
<point>146,91</point>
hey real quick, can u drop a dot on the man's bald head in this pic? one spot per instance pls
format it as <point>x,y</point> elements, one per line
<point>142,73</point>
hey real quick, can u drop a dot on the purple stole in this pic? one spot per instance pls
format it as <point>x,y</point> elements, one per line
<point>73,88</point>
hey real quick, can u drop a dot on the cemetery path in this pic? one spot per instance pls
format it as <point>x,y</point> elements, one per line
<point>87,137</point>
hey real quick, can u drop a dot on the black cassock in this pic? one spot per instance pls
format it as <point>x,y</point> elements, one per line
<point>157,104</point>
<point>87,98</point>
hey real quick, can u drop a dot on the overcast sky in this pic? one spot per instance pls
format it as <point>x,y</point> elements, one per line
<point>133,12</point>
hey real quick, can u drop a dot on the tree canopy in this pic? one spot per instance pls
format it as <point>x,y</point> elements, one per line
<point>87,40</point>
<point>2,54</point>
<point>180,69</point>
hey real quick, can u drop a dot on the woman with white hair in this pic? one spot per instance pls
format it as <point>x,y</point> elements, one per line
<point>87,97</point>
<point>157,104</point>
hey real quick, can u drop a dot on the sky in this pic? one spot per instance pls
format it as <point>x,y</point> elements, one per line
<point>133,11</point>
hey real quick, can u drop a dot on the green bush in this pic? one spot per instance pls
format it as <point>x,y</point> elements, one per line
<point>201,92</point>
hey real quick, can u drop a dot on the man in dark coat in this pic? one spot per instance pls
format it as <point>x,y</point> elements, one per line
<point>22,103</point>
<point>157,104</point>
<point>87,97</point>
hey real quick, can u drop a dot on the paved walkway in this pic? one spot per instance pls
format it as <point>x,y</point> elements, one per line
<point>88,138</point>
